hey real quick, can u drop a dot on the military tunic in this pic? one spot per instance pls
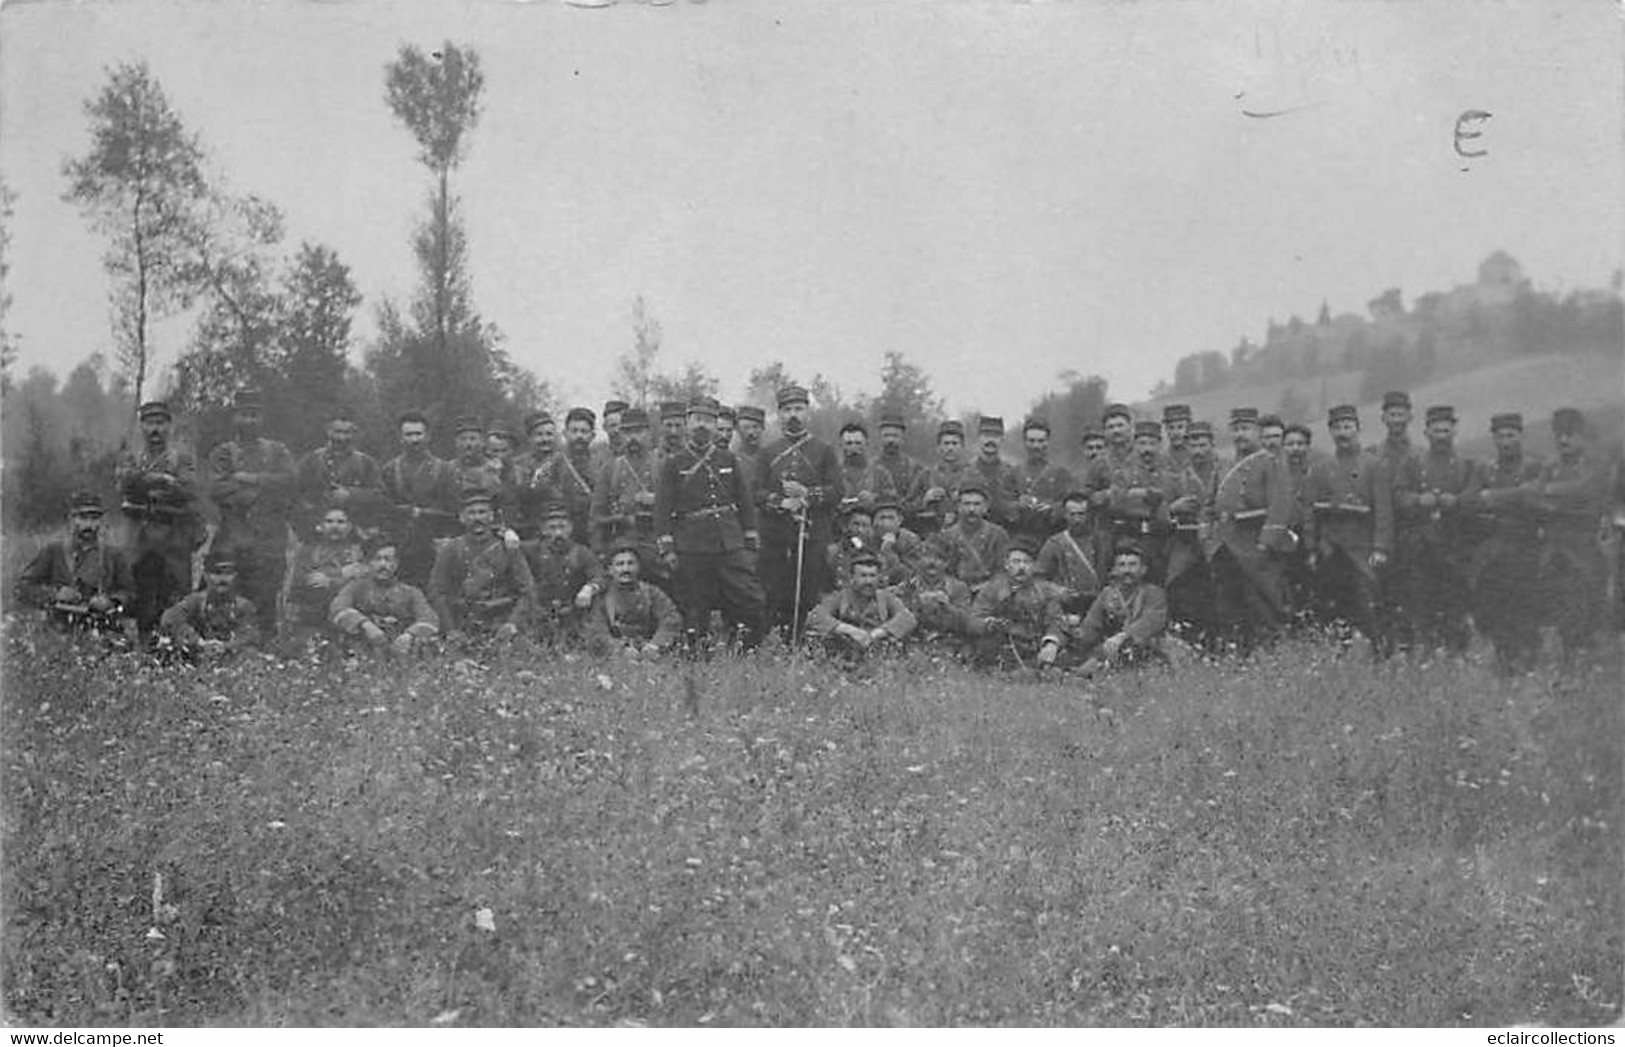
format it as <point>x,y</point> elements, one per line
<point>974,555</point>
<point>631,616</point>
<point>200,616</point>
<point>396,608</point>
<point>479,584</point>
<point>253,485</point>
<point>1574,500</point>
<point>159,502</point>
<point>352,481</point>
<point>1140,612</point>
<point>703,503</point>
<point>335,563</point>
<point>812,463</point>
<point>96,569</point>
<point>1031,615</point>
<point>1349,498</point>
<point>1433,544</point>
<point>1504,573</point>
<point>423,500</point>
<point>1041,489</point>
<point>1252,509</point>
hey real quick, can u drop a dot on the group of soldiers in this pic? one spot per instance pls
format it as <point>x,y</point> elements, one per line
<point>701,529</point>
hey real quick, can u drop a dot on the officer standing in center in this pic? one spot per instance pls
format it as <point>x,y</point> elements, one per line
<point>801,487</point>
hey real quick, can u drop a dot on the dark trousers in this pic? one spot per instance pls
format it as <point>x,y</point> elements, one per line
<point>1190,597</point>
<point>163,574</point>
<point>725,581</point>
<point>260,572</point>
<point>1248,596</point>
<point>1435,599</point>
<point>1504,596</point>
<point>778,574</point>
<point>1345,589</point>
<point>1572,588</point>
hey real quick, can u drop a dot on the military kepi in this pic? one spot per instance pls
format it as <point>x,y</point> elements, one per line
<point>1396,398</point>
<point>1342,413</point>
<point>990,425</point>
<point>153,409</point>
<point>1243,416</point>
<point>86,503</point>
<point>1568,421</point>
<point>1441,413</point>
<point>793,394</point>
<point>1506,420</point>
<point>1148,427</point>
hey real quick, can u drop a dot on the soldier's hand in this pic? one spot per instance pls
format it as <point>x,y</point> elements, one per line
<point>792,505</point>
<point>316,580</point>
<point>506,631</point>
<point>1447,500</point>
<point>1071,621</point>
<point>1113,644</point>
<point>211,646</point>
<point>67,594</point>
<point>403,643</point>
<point>794,489</point>
<point>1313,560</point>
<point>510,538</point>
<point>1378,558</point>
<point>374,634</point>
<point>584,597</point>
<point>1427,500</point>
<point>1047,653</point>
<point>100,604</point>
<point>935,494</point>
<point>1139,492</point>
<point>339,494</point>
<point>1029,501</point>
<point>753,540</point>
<point>997,624</point>
<point>161,478</point>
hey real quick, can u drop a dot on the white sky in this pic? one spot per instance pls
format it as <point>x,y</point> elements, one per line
<point>1001,191</point>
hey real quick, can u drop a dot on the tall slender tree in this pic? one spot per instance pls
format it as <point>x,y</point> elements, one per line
<point>141,184</point>
<point>8,341</point>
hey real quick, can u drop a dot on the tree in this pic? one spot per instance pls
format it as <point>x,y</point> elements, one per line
<point>635,377</point>
<point>906,388</point>
<point>437,97</point>
<point>140,185</point>
<point>8,341</point>
<point>693,380</point>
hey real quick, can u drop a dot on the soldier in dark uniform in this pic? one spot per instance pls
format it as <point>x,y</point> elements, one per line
<point>673,427</point>
<point>623,499</point>
<point>1106,472</point>
<point>1427,502</point>
<point>419,487</point>
<point>1503,575</point>
<point>1300,579</point>
<point>997,475</point>
<point>320,568</point>
<point>481,586</point>
<point>1252,507</point>
<point>215,621</point>
<point>801,480</point>
<point>975,545</point>
<point>863,482</point>
<point>1187,578</point>
<point>1137,505</point>
<point>1126,623</point>
<point>707,522</point>
<point>1094,444</point>
<point>860,617</point>
<point>568,477</point>
<point>473,472</point>
<point>1271,433</point>
<point>1350,527</point>
<point>252,481</point>
<point>386,612</point>
<point>939,602</point>
<point>1067,560</point>
<point>1041,485</point>
<point>727,423</point>
<point>611,447</point>
<point>630,614</point>
<point>1574,497</point>
<point>1176,420</point>
<point>750,422</point>
<point>1394,620</point>
<point>158,487</point>
<point>931,500</point>
<point>567,577</point>
<point>339,475</point>
<point>904,469</point>
<point>1016,618</point>
<point>80,580</point>
<point>530,469</point>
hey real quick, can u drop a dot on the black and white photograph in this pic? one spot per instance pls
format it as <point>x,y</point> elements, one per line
<point>683,514</point>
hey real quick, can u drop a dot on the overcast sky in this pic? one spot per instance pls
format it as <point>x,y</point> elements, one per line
<point>1001,191</point>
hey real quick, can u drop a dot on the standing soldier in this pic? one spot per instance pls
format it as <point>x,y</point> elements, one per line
<point>339,475</point>
<point>1350,528</point>
<point>1504,574</point>
<point>472,471</point>
<point>1137,502</point>
<point>997,475</point>
<point>1271,433</point>
<point>673,428</point>
<point>801,486</point>
<point>1041,485</point>
<point>1574,492</point>
<point>612,446</point>
<point>935,493</point>
<point>158,487</point>
<point>419,486</point>
<point>1187,579</point>
<point>1393,621</point>
<point>1108,471</point>
<point>750,422</point>
<point>1300,586</point>
<point>480,585</point>
<point>1094,444</point>
<point>79,579</point>
<point>568,477</point>
<point>1176,421</point>
<point>530,467</point>
<point>1252,507</point>
<point>707,522</point>
<point>904,469</point>
<point>252,482</point>
<point>623,499</point>
<point>727,422</point>
<point>1427,504</point>
<point>862,481</point>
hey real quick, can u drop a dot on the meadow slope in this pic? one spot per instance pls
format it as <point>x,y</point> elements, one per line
<point>1301,840</point>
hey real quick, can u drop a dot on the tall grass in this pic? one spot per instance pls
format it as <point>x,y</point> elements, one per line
<point>1302,839</point>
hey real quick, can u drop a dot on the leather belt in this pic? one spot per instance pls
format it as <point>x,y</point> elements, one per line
<point>711,511</point>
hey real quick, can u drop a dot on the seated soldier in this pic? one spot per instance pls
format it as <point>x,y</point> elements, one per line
<point>80,580</point>
<point>388,614</point>
<point>481,586</point>
<point>320,569</point>
<point>1067,559</point>
<point>214,621</point>
<point>859,615</point>
<point>566,573</point>
<point>939,602</point>
<point>1126,623</point>
<point>895,543</point>
<point>1016,618</point>
<point>975,546</point>
<point>857,536</point>
<point>629,613</point>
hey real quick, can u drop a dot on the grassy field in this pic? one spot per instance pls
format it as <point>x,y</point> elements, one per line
<point>1302,840</point>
